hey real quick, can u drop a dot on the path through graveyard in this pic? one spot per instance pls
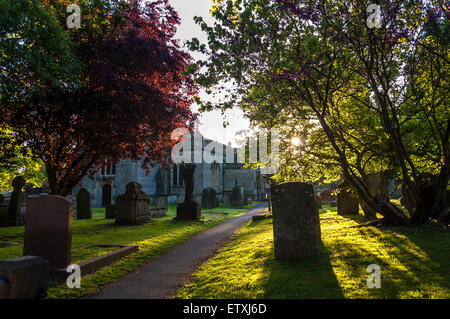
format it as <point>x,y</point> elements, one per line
<point>162,277</point>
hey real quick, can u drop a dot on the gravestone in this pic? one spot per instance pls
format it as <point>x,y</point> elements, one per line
<point>162,205</point>
<point>328,198</point>
<point>133,207</point>
<point>227,198</point>
<point>162,202</point>
<point>296,226</point>
<point>14,216</point>
<point>189,209</point>
<point>84,210</point>
<point>110,211</point>
<point>346,203</point>
<point>377,185</point>
<point>238,196</point>
<point>48,230</point>
<point>209,198</point>
<point>25,277</point>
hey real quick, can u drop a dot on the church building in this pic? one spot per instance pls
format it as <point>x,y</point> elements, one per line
<point>111,180</point>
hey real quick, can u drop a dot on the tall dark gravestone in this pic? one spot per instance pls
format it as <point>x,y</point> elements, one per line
<point>238,196</point>
<point>84,210</point>
<point>110,211</point>
<point>48,230</point>
<point>189,209</point>
<point>209,198</point>
<point>14,216</point>
<point>133,207</point>
<point>296,226</point>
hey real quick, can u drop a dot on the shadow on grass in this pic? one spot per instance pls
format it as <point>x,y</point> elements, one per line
<point>311,277</point>
<point>427,249</point>
<point>410,267</point>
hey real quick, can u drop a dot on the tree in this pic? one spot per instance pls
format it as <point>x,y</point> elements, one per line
<point>20,163</point>
<point>35,54</point>
<point>367,96</point>
<point>133,93</point>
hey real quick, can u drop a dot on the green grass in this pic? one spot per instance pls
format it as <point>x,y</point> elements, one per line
<point>153,239</point>
<point>414,263</point>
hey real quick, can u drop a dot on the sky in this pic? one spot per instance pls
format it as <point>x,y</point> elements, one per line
<point>211,123</point>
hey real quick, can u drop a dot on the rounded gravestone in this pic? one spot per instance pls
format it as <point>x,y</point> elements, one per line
<point>296,226</point>
<point>48,230</point>
<point>346,203</point>
<point>84,210</point>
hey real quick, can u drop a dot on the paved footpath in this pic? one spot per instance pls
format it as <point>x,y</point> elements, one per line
<point>162,277</point>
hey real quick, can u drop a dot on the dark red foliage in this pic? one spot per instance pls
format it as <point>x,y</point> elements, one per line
<point>134,94</point>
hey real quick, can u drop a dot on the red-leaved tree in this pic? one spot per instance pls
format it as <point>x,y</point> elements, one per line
<point>134,93</point>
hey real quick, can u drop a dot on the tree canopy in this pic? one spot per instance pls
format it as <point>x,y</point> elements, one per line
<point>364,100</point>
<point>129,91</point>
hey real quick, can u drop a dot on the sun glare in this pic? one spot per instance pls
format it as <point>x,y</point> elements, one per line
<point>295,141</point>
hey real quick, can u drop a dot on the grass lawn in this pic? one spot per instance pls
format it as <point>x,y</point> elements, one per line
<point>414,263</point>
<point>154,238</point>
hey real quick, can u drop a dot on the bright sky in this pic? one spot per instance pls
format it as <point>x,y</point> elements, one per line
<point>210,121</point>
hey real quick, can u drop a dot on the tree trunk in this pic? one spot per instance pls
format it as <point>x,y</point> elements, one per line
<point>430,204</point>
<point>51,177</point>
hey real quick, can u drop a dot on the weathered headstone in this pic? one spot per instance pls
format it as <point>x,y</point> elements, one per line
<point>377,185</point>
<point>110,211</point>
<point>296,225</point>
<point>346,203</point>
<point>84,210</point>
<point>161,207</point>
<point>328,198</point>
<point>14,216</point>
<point>189,209</point>
<point>238,196</point>
<point>48,230</point>
<point>162,202</point>
<point>209,198</point>
<point>25,277</point>
<point>227,198</point>
<point>133,207</point>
